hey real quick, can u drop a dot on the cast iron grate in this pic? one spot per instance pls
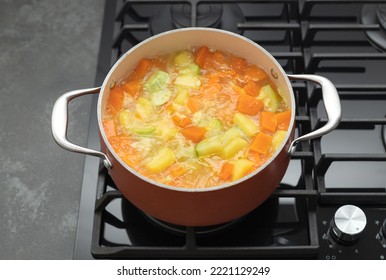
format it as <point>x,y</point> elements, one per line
<point>317,37</point>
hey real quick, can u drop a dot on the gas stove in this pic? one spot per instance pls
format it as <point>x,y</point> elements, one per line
<point>331,204</point>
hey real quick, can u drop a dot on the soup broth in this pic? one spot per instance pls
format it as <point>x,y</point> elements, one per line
<point>196,118</point>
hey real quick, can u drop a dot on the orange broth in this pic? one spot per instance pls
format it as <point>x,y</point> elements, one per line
<point>196,118</point>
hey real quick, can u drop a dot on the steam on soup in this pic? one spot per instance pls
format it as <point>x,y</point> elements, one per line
<point>196,118</point>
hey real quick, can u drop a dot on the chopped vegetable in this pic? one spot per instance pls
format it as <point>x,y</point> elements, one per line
<point>161,96</point>
<point>241,168</point>
<point>196,118</point>
<point>246,124</point>
<point>142,129</point>
<point>144,108</point>
<point>283,120</point>
<point>142,69</point>
<point>125,119</point>
<point>226,171</point>
<point>182,96</point>
<point>115,99</point>
<point>109,127</point>
<point>231,134</point>
<point>249,105</point>
<point>183,58</point>
<point>190,69</point>
<point>177,170</point>
<point>255,73</point>
<point>268,121</point>
<point>202,55</point>
<point>270,98</point>
<point>278,138</point>
<point>194,133</point>
<point>233,147</point>
<point>157,81</point>
<point>261,143</point>
<point>251,88</point>
<point>208,147</point>
<point>187,80</point>
<point>161,161</point>
<point>194,104</point>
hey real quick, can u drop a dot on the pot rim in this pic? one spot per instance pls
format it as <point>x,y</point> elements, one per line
<point>215,188</point>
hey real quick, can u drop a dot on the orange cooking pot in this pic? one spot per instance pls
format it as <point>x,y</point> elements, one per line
<point>209,206</point>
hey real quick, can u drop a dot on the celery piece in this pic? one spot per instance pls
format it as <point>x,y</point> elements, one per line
<point>231,134</point>
<point>214,127</point>
<point>278,138</point>
<point>241,168</point>
<point>246,124</point>
<point>182,96</point>
<point>157,81</point>
<point>161,96</point>
<point>190,69</point>
<point>183,58</point>
<point>162,160</point>
<point>144,108</point>
<point>208,147</point>
<point>269,97</point>
<point>125,119</point>
<point>187,80</point>
<point>233,147</point>
<point>142,129</point>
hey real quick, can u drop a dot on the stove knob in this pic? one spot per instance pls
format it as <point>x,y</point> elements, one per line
<point>348,223</point>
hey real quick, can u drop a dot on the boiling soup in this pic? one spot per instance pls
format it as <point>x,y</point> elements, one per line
<point>197,118</point>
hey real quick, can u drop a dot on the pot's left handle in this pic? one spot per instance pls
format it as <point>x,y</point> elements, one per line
<point>59,122</point>
<point>331,103</point>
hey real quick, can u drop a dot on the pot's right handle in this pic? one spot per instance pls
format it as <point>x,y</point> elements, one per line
<point>331,102</point>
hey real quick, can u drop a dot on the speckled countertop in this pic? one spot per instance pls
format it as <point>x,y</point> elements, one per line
<point>46,48</point>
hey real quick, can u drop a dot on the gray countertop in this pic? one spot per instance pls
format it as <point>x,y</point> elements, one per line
<point>47,48</point>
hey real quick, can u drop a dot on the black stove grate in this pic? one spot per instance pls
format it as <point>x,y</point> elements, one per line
<point>317,37</point>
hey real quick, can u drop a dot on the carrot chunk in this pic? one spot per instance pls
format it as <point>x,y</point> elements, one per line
<point>268,121</point>
<point>249,105</point>
<point>202,55</point>
<point>251,88</point>
<point>194,133</point>
<point>226,171</point>
<point>238,64</point>
<point>261,143</point>
<point>255,73</point>
<point>283,120</point>
<point>115,99</point>
<point>181,122</point>
<point>185,122</point>
<point>132,87</point>
<point>177,170</point>
<point>194,104</point>
<point>109,127</point>
<point>142,68</point>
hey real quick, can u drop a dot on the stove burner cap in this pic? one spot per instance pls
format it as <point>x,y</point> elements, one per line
<point>207,15</point>
<point>375,14</point>
<point>222,16</point>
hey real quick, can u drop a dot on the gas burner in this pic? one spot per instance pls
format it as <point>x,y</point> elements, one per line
<point>375,14</point>
<point>169,17</point>
<point>199,231</point>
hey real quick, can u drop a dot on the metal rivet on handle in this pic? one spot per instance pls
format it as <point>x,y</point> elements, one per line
<point>112,85</point>
<point>274,74</point>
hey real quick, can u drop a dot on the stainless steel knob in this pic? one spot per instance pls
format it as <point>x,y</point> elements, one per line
<point>348,223</point>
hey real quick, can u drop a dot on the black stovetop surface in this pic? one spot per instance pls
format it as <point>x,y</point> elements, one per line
<point>340,40</point>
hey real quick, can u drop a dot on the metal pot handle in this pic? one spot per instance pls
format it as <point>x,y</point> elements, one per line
<point>331,103</point>
<point>59,123</point>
